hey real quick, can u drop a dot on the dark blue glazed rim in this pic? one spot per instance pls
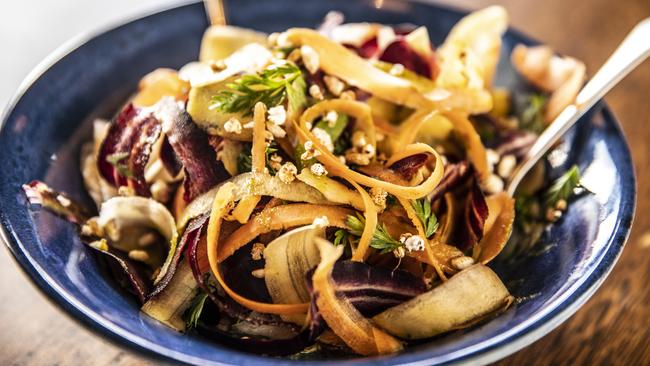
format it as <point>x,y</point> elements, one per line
<point>31,163</point>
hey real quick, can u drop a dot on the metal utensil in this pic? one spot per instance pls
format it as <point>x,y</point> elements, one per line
<point>634,49</point>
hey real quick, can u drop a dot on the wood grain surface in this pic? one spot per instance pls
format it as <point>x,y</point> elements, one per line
<point>612,328</point>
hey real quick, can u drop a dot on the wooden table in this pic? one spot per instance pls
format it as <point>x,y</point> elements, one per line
<point>612,328</point>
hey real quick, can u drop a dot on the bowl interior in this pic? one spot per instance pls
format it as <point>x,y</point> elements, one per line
<point>44,130</point>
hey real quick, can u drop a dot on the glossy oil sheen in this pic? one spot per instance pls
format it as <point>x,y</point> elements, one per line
<point>43,132</point>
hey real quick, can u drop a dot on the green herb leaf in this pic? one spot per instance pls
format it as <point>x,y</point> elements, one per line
<point>338,133</point>
<point>427,217</point>
<point>381,239</point>
<point>270,87</point>
<point>562,188</point>
<point>335,129</point>
<point>340,237</point>
<point>297,95</point>
<point>194,312</point>
<point>526,210</point>
<point>532,118</point>
<point>117,160</point>
<point>245,159</point>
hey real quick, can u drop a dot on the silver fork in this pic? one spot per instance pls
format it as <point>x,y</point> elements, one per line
<point>634,49</point>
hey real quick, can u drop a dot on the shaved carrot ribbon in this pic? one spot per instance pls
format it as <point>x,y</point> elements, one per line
<point>337,168</point>
<point>498,226</point>
<point>259,142</point>
<point>281,218</point>
<point>246,206</point>
<point>370,213</point>
<point>343,63</point>
<point>475,149</point>
<point>360,111</point>
<point>431,259</point>
<point>341,316</point>
<point>222,203</point>
<point>409,129</point>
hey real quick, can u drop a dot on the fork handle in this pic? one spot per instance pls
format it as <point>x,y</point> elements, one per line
<point>634,49</point>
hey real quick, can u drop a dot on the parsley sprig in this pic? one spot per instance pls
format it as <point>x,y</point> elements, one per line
<point>532,118</point>
<point>270,87</point>
<point>427,217</point>
<point>563,187</point>
<point>381,239</point>
<point>341,237</point>
<point>245,159</point>
<point>118,161</point>
<point>194,312</point>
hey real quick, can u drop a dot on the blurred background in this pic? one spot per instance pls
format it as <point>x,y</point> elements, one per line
<point>612,328</point>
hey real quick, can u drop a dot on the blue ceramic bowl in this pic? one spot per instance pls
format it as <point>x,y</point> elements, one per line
<point>46,123</point>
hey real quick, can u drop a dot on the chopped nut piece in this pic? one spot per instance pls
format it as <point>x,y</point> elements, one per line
<point>318,169</point>
<point>287,173</point>
<point>233,126</point>
<point>357,158</point>
<point>310,58</point>
<point>359,139</point>
<point>412,242</point>
<point>310,151</point>
<point>324,138</point>
<point>278,115</point>
<point>493,184</point>
<point>275,161</point>
<point>147,239</point>
<point>268,135</point>
<point>378,196</point>
<point>561,205</point>
<point>362,152</point>
<point>493,158</point>
<point>321,222</point>
<point>506,166</point>
<point>257,251</point>
<point>259,273</point>
<point>249,124</point>
<point>460,263</point>
<point>342,159</point>
<point>331,118</point>
<point>334,84</point>
<point>275,130</point>
<point>396,70</point>
<point>368,150</point>
<point>139,255</point>
<point>315,92</point>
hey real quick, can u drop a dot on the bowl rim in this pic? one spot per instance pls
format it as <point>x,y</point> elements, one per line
<point>486,351</point>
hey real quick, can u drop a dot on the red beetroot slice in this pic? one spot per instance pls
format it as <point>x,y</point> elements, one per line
<point>192,147</point>
<point>125,152</point>
<point>400,52</point>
